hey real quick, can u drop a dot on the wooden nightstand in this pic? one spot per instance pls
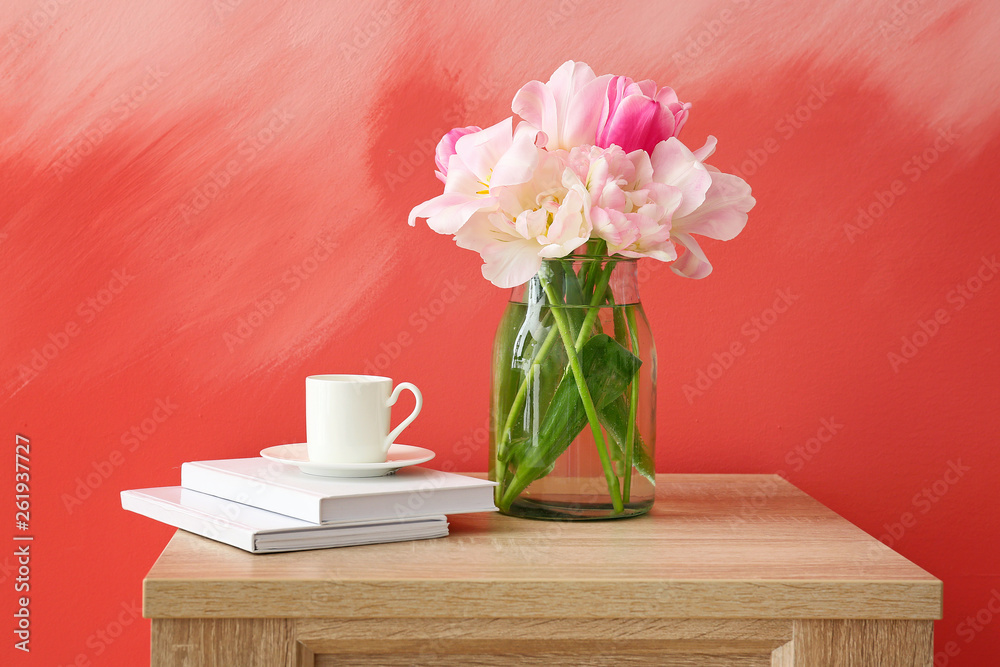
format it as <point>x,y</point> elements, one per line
<point>726,570</point>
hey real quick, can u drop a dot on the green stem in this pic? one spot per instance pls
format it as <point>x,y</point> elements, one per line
<point>595,303</point>
<point>517,485</point>
<point>633,404</point>
<point>543,351</point>
<point>500,476</point>
<point>588,403</point>
<point>522,391</point>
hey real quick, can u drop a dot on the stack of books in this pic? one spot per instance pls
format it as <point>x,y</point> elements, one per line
<point>267,507</point>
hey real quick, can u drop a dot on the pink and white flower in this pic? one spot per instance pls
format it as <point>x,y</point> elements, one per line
<point>721,216</point>
<point>567,108</point>
<point>595,157</point>
<point>446,148</point>
<point>480,160</point>
<point>637,116</point>
<point>545,217</point>
<point>628,210</point>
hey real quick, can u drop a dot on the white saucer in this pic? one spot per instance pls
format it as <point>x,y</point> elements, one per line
<point>400,456</point>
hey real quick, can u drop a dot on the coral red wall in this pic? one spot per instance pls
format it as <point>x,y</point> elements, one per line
<point>204,202</point>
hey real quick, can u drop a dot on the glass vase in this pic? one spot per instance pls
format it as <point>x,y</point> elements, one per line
<point>573,399</point>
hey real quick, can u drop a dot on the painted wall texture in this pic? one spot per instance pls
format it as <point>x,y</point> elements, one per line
<point>204,202</point>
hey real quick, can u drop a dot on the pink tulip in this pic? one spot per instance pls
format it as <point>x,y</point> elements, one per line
<point>567,108</point>
<point>446,148</point>
<point>637,117</point>
<point>478,162</point>
<point>721,216</point>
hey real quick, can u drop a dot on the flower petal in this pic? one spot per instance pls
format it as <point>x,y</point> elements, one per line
<point>519,162</point>
<point>583,115</point>
<point>668,98</point>
<point>446,148</point>
<point>570,227</point>
<point>567,80</point>
<point>509,259</point>
<point>629,127</point>
<point>693,263</point>
<point>434,206</point>
<point>511,264</point>
<point>448,212</point>
<point>705,151</point>
<point>615,228</point>
<point>460,179</point>
<point>645,87</point>
<point>567,108</point>
<point>535,103</point>
<point>480,151</point>
<point>723,215</point>
<point>673,164</point>
<point>530,224</point>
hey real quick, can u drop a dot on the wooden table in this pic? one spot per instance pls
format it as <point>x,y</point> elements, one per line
<point>726,570</point>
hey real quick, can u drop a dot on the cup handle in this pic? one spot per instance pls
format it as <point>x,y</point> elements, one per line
<point>391,438</point>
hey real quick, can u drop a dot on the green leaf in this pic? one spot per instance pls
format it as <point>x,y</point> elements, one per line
<point>608,368</point>
<point>614,418</point>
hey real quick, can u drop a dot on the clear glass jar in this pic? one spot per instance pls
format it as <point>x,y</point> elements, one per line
<point>573,400</point>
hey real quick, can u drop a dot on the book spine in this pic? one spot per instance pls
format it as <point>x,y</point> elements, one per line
<point>248,491</point>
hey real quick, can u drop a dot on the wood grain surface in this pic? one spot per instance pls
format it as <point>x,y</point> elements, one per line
<point>714,546</point>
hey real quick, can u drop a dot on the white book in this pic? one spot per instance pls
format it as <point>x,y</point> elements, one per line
<point>259,531</point>
<point>287,490</point>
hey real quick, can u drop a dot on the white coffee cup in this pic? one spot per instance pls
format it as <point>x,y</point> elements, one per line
<point>347,417</point>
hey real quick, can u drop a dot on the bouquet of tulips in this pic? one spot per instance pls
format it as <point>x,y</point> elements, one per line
<point>594,168</point>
